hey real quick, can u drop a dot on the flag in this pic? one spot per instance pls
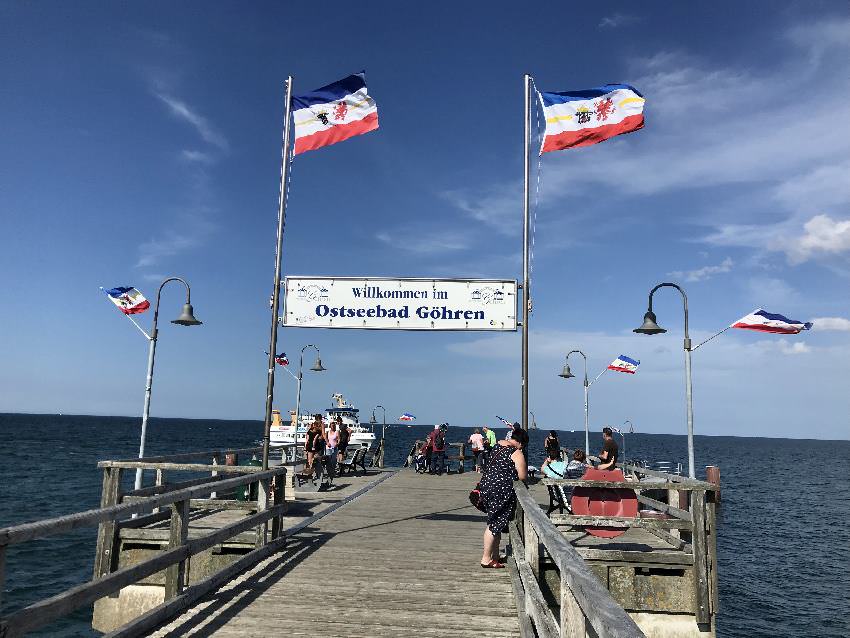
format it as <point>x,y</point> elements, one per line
<point>510,424</point>
<point>333,113</point>
<point>624,364</point>
<point>129,300</point>
<point>764,321</point>
<point>282,359</point>
<point>582,118</point>
<point>406,417</point>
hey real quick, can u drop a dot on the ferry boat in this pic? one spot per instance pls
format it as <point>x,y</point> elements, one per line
<point>282,433</point>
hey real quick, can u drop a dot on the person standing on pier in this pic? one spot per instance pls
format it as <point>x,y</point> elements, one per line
<point>506,464</point>
<point>477,443</point>
<point>344,438</point>
<point>438,449</point>
<point>552,446</point>
<point>609,452</point>
<point>489,444</point>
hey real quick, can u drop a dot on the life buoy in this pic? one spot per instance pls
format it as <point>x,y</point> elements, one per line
<point>604,501</point>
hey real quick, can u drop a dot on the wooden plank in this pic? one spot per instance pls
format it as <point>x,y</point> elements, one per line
<point>526,629</point>
<point>683,482</point>
<point>532,601</point>
<point>178,533</point>
<point>620,521</point>
<point>62,524</point>
<point>712,549</point>
<point>572,618</point>
<point>618,556</point>
<point>262,506</point>
<point>664,507</point>
<point>184,467</point>
<point>702,609</point>
<point>532,548</point>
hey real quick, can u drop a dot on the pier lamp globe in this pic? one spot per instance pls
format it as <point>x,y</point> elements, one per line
<point>650,326</point>
<point>318,367</point>
<point>187,317</point>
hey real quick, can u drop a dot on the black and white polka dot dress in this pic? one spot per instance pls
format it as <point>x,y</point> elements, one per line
<point>498,490</point>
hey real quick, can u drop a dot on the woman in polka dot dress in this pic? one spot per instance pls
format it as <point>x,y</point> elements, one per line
<point>506,463</point>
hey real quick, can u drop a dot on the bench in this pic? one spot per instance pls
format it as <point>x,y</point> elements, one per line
<point>353,459</point>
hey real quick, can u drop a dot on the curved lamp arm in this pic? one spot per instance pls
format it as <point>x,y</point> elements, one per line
<point>684,303</point>
<point>585,363</point>
<point>159,294</point>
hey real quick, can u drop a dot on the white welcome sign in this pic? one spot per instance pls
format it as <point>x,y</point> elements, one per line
<point>400,304</point>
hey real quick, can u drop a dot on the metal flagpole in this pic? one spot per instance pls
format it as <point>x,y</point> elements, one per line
<point>526,296</point>
<point>281,219</point>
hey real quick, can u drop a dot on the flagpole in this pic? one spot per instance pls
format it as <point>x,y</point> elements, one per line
<point>281,219</point>
<point>526,297</point>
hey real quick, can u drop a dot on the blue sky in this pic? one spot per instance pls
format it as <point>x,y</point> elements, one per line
<point>141,141</point>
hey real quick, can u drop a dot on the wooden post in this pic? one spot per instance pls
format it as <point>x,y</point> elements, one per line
<point>278,497</point>
<point>712,550</point>
<point>572,617</point>
<point>673,500</point>
<point>712,475</point>
<point>213,474</point>
<point>532,548</point>
<point>702,609</point>
<point>262,506</point>
<point>175,575</point>
<point>105,556</point>
<point>160,481</point>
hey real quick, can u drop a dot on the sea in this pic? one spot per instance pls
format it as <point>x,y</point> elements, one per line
<point>783,524</point>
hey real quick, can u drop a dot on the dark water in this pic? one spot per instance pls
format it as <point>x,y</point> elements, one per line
<point>783,545</point>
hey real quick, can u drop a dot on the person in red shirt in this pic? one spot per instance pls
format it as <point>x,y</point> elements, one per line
<point>437,440</point>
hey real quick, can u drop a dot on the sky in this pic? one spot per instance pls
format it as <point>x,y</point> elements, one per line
<point>141,141</point>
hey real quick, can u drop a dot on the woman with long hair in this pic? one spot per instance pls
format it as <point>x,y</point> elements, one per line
<point>506,464</point>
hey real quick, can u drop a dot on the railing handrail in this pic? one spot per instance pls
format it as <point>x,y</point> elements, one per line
<point>180,467</point>
<point>685,486</point>
<point>219,452</point>
<point>681,481</point>
<point>61,524</point>
<point>605,615</point>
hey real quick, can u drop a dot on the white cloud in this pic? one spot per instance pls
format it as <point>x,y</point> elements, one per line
<point>189,231</point>
<point>499,206</point>
<point>182,111</point>
<point>831,323</point>
<point>770,292</point>
<point>822,235</point>
<point>617,20</point>
<point>784,347</point>
<point>417,241</point>
<point>200,157</point>
<point>704,273</point>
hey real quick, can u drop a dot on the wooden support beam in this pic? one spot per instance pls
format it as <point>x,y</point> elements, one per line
<point>664,507</point>
<point>178,535</point>
<point>104,557</point>
<point>702,609</point>
<point>572,618</point>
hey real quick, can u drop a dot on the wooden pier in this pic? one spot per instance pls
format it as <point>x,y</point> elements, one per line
<point>379,552</point>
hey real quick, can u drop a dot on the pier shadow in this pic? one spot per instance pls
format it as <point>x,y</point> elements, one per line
<point>227,602</point>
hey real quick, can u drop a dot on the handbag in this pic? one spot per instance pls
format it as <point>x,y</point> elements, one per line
<point>477,498</point>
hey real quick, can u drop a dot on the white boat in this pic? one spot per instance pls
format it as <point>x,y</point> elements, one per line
<point>282,433</point>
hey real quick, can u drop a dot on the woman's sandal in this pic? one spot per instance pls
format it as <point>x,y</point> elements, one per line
<point>493,564</point>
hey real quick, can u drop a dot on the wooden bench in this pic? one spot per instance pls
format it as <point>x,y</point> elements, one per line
<point>353,459</point>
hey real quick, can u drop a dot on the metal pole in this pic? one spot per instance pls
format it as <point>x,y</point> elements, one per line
<point>586,419</point>
<point>690,407</point>
<point>526,296</point>
<point>148,386</point>
<point>281,219</point>
<point>297,406</point>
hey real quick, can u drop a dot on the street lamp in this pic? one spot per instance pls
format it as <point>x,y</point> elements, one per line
<point>374,422</point>
<point>651,327</point>
<point>566,374</point>
<point>317,367</point>
<point>186,318</point>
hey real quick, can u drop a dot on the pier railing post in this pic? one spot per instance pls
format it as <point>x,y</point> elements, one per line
<point>160,481</point>
<point>279,498</point>
<point>104,558</point>
<point>262,506</point>
<point>532,547</point>
<point>2,573</point>
<point>572,617</point>
<point>702,608</point>
<point>175,575</point>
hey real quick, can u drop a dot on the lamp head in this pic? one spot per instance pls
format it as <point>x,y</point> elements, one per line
<point>565,373</point>
<point>649,327</point>
<point>187,317</point>
<point>373,420</point>
<point>318,367</point>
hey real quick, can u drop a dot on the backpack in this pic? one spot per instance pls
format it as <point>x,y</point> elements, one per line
<point>439,440</point>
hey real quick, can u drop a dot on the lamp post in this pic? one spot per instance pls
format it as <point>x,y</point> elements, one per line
<point>623,434</point>
<point>186,318</point>
<point>317,367</point>
<point>374,422</point>
<point>651,327</point>
<point>566,374</point>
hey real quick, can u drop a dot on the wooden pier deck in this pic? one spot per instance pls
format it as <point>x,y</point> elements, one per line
<point>400,560</point>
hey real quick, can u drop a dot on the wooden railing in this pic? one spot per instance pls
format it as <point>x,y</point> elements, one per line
<point>690,526</point>
<point>180,498</point>
<point>583,602</point>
